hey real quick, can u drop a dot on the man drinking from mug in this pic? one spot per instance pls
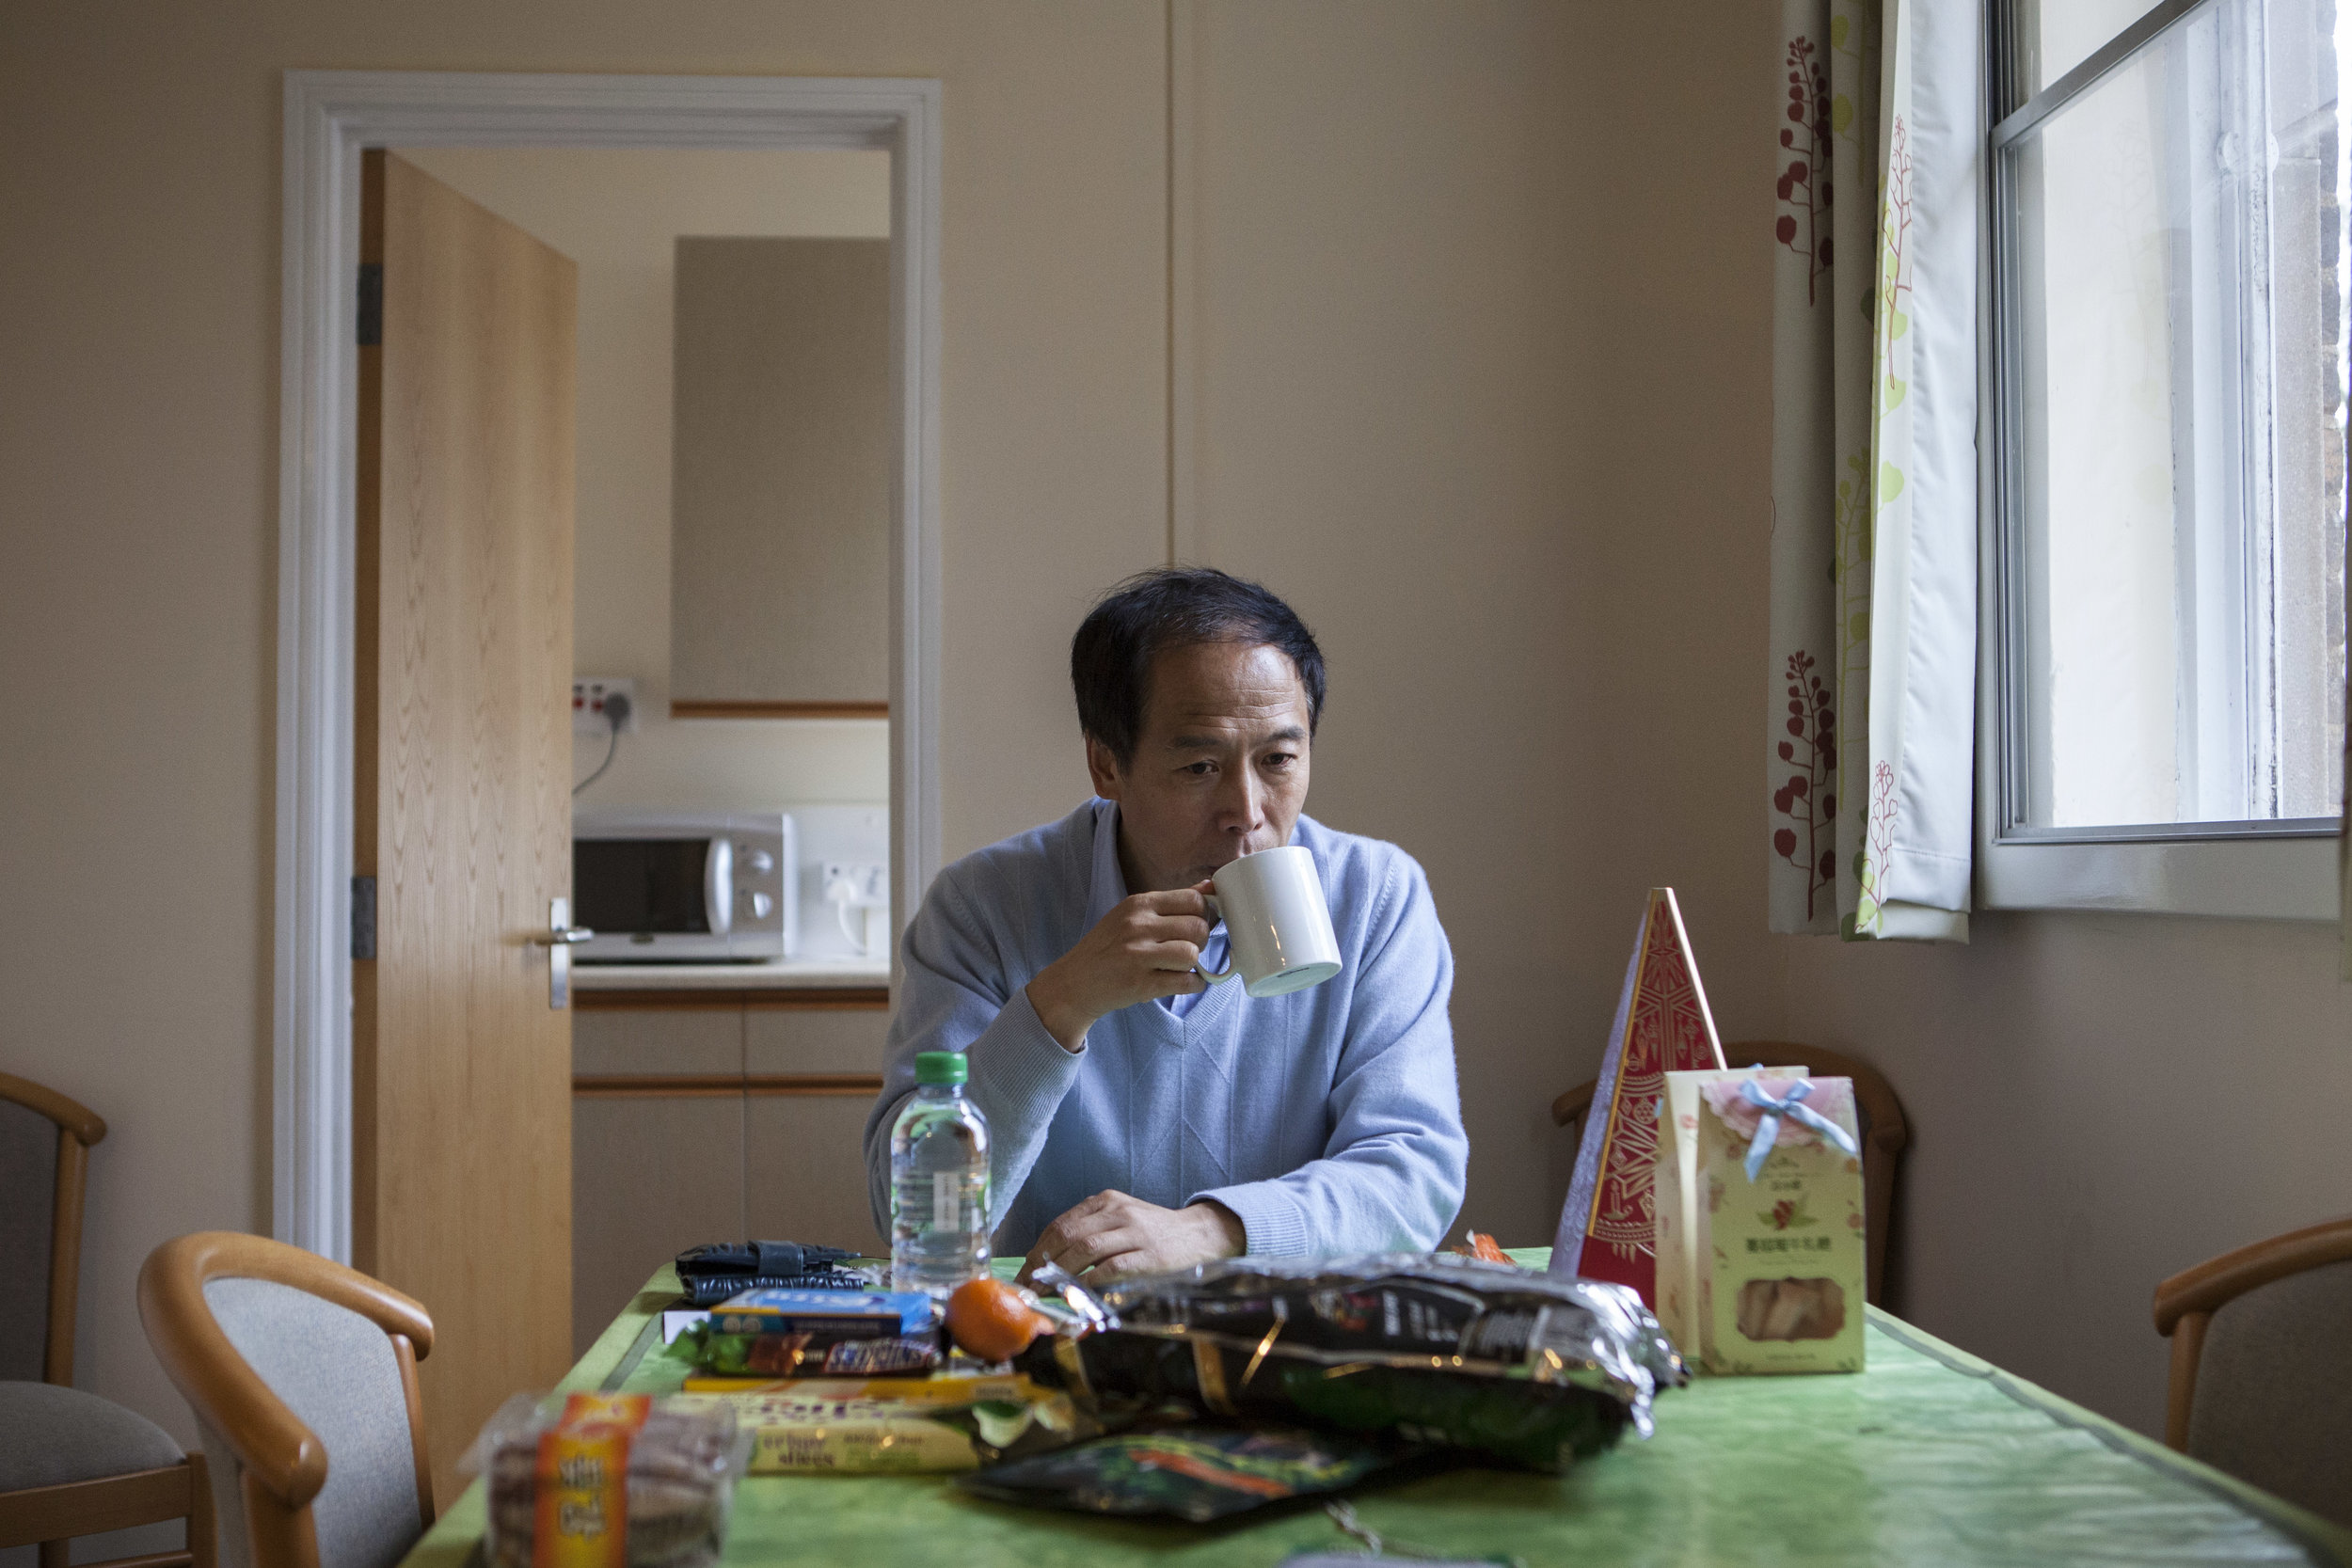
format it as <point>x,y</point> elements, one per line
<point>1142,1118</point>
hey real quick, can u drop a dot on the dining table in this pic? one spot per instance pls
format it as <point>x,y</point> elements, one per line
<point>1928,1456</point>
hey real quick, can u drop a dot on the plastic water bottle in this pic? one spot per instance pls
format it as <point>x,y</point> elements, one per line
<point>939,1228</point>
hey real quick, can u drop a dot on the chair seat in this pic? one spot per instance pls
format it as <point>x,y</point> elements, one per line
<point>50,1436</point>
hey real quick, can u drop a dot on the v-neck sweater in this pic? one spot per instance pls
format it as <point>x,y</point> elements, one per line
<point>1328,1120</point>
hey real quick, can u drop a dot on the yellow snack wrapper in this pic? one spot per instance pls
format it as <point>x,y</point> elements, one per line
<point>943,1390</point>
<point>1762,1254</point>
<point>794,1432</point>
<point>853,1437</point>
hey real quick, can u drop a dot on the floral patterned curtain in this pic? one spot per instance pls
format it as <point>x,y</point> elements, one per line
<point>1869,759</point>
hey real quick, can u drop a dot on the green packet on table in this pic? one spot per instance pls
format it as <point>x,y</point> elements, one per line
<point>812,1354</point>
<point>776,1332</point>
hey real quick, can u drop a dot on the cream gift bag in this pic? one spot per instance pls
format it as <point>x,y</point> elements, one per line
<point>1761,1248</point>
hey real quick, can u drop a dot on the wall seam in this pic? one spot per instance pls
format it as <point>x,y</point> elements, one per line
<point>1184,524</point>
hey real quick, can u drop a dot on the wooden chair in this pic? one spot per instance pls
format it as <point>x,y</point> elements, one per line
<point>1884,1131</point>
<point>2262,1365</point>
<point>291,1361</point>
<point>71,1464</point>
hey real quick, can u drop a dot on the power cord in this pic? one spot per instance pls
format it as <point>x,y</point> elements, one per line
<point>844,896</point>
<point>617,714</point>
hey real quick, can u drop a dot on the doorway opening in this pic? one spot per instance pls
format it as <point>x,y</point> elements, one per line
<point>330,119</point>
<point>730,565</point>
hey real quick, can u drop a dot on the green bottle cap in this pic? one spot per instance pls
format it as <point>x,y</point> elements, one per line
<point>940,1067</point>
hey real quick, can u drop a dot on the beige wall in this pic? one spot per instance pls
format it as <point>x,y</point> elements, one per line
<point>138,323</point>
<point>2097,1103</point>
<point>1481,317</point>
<point>1457,346</point>
<point>618,214</point>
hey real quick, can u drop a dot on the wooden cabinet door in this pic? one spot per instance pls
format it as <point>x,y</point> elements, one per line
<point>697,1044</point>
<point>656,1173</point>
<point>783,447</point>
<point>819,1038</point>
<point>805,1169</point>
<point>461,1101</point>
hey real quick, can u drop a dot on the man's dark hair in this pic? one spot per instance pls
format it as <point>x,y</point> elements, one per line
<point>1175,607</point>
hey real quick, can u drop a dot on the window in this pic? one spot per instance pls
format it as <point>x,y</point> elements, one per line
<point>2168,360</point>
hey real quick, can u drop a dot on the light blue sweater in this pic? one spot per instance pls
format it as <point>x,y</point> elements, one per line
<point>1329,1119</point>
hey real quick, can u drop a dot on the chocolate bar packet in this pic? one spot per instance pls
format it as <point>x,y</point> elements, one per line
<point>816,1354</point>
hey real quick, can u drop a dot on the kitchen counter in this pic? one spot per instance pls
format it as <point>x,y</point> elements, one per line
<point>779,975</point>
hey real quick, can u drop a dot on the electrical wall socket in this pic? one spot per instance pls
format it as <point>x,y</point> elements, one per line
<point>862,885</point>
<point>588,694</point>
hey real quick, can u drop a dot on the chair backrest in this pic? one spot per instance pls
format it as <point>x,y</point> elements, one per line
<point>1886,1131</point>
<point>303,1377</point>
<point>2262,1365</point>
<point>44,1152</point>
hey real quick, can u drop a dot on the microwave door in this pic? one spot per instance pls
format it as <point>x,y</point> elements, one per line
<point>653,897</point>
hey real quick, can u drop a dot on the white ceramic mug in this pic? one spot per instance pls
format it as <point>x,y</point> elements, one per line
<point>1278,929</point>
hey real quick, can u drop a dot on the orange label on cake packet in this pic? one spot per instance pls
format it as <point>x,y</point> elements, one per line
<point>582,1482</point>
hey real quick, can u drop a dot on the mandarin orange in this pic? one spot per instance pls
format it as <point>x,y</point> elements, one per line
<point>991,1320</point>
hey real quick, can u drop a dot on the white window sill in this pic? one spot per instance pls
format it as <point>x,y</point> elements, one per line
<point>2246,878</point>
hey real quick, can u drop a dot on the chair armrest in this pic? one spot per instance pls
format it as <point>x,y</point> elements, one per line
<point>87,1125</point>
<point>1573,1104</point>
<point>2211,1284</point>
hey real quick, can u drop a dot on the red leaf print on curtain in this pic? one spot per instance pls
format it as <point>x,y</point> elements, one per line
<point>1809,797</point>
<point>1803,184</point>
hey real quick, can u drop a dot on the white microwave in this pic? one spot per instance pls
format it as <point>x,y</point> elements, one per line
<point>685,887</point>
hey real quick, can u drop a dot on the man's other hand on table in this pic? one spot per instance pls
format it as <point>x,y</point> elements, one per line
<point>1112,1234</point>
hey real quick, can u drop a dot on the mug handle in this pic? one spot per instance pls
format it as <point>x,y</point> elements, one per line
<point>1227,971</point>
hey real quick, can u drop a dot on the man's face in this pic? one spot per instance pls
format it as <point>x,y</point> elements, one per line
<point>1220,769</point>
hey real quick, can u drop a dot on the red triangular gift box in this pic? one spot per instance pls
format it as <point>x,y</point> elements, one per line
<point>1662,1026</point>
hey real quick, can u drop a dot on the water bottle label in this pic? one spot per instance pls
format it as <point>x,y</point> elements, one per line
<point>947,1188</point>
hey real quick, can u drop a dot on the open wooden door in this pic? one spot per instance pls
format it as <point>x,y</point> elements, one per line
<point>461,1110</point>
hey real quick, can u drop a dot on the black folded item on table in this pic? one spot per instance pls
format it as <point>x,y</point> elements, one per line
<point>1195,1473</point>
<point>710,1274</point>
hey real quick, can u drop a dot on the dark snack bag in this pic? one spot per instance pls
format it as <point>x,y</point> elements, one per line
<point>1441,1350</point>
<point>1192,1472</point>
<point>710,1274</point>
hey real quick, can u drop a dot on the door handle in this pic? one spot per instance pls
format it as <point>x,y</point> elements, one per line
<point>559,939</point>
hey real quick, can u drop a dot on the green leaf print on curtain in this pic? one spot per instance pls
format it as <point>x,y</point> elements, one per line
<point>1869,750</point>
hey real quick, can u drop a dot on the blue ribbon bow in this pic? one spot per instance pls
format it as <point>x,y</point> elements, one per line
<point>1768,1129</point>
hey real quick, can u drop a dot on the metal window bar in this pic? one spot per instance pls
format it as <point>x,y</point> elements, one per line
<point>2230,640</point>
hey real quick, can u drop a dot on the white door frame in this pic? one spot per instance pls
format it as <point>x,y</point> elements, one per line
<point>331,116</point>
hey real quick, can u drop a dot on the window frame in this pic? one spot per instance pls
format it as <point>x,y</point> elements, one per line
<point>2282,868</point>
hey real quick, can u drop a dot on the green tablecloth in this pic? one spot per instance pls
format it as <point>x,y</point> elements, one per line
<point>1929,1456</point>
